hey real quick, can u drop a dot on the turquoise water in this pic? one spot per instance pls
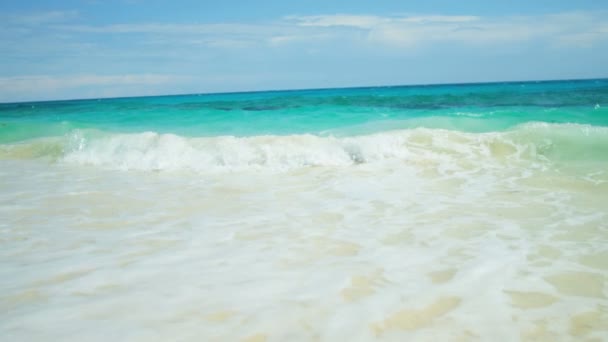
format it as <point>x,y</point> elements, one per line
<point>472,108</point>
<point>469,108</point>
<point>419,213</point>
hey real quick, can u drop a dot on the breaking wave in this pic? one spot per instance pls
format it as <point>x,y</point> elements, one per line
<point>532,142</point>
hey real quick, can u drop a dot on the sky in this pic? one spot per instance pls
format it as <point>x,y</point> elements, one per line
<point>68,49</point>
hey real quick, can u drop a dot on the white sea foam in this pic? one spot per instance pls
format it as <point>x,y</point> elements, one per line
<point>534,143</point>
<point>385,250</point>
<point>153,151</point>
<point>405,235</point>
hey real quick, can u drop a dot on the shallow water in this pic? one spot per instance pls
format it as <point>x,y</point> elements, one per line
<point>410,234</point>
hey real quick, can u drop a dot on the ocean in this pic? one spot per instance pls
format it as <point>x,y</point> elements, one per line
<point>426,213</point>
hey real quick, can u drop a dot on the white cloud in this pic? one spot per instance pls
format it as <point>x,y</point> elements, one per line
<point>288,39</point>
<point>408,31</point>
<point>155,28</point>
<point>19,88</point>
<point>358,21</point>
<point>45,81</point>
<point>56,42</point>
<point>574,29</point>
<point>41,18</point>
<point>370,21</point>
<point>440,19</point>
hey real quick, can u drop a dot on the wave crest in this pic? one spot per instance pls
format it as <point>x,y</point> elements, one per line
<point>535,142</point>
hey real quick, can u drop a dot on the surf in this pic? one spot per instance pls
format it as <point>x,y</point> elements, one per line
<point>532,143</point>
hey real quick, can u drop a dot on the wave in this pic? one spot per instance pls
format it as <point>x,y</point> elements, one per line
<point>532,142</point>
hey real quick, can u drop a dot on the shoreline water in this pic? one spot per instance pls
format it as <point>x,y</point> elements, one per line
<point>342,215</point>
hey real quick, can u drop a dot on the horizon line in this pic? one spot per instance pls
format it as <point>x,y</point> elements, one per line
<point>311,89</point>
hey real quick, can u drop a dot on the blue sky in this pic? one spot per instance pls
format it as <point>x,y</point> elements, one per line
<point>92,48</point>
